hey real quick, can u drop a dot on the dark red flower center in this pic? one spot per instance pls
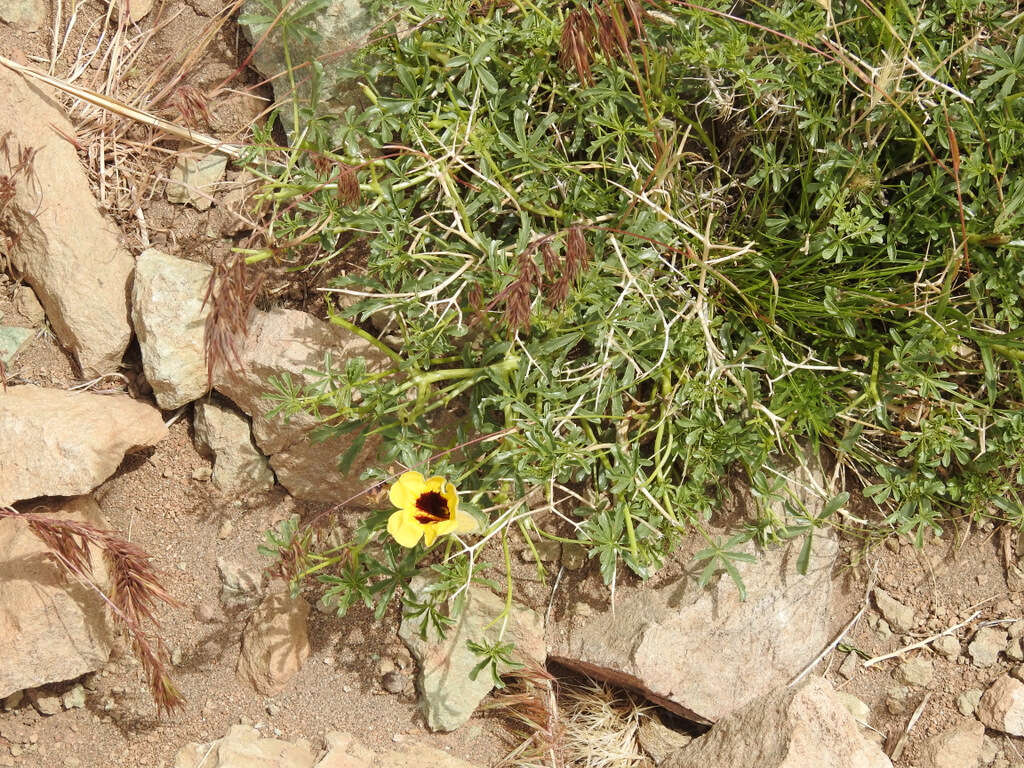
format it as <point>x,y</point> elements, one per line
<point>433,508</point>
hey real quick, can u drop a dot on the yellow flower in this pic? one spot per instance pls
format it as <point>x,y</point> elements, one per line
<point>427,508</point>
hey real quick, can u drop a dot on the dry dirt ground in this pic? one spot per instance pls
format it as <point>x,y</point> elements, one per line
<point>187,525</point>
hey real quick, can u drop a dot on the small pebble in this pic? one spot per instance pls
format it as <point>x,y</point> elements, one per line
<point>967,702</point>
<point>849,666</point>
<point>947,645</point>
<point>226,529</point>
<point>394,682</point>
<point>202,474</point>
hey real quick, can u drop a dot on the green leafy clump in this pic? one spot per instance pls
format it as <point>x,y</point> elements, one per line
<point>615,252</point>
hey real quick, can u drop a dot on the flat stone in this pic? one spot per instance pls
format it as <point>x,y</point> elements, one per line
<point>55,442</point>
<point>194,179</point>
<point>12,339</point>
<point>51,628</point>
<point>688,648</point>
<point>805,726</point>
<point>448,695</point>
<point>170,319</point>
<point>64,247</point>
<point>899,616</point>
<point>956,747</point>
<point>244,747</point>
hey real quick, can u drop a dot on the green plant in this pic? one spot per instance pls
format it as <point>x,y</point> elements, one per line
<point>631,248</point>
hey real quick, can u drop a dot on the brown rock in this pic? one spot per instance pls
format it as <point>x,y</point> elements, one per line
<point>1002,706</point>
<point>956,747</point>
<point>805,726</point>
<point>275,643</point>
<point>59,443</point>
<point>288,343</point>
<point>67,251</point>
<point>51,628</point>
<point>705,652</point>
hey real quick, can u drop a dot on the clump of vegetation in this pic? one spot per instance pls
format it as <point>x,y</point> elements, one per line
<point>628,248</point>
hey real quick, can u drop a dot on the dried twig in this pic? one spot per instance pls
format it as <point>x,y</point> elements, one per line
<point>123,110</point>
<point>134,594</point>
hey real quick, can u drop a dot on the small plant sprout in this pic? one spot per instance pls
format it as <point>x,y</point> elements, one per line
<point>426,509</point>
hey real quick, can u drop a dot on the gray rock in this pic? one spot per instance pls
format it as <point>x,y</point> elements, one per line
<point>915,671</point>
<point>194,179</point>
<point>986,646</point>
<point>169,317</point>
<point>55,442</point>
<point>240,586</point>
<point>448,696</point>
<point>805,726</point>
<point>287,343</point>
<point>899,616</point>
<point>26,15</point>
<point>956,747</point>
<point>65,249</point>
<point>75,698</point>
<point>340,26</point>
<point>27,305</point>
<point>947,645</point>
<point>275,643</point>
<point>51,628</point>
<point>688,648</point>
<point>221,431</point>
<point>12,339</point>
<point>967,702</point>
<point>1002,706</point>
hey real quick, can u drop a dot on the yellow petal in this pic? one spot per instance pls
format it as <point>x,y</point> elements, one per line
<point>430,534</point>
<point>452,497</point>
<point>404,529</point>
<point>465,522</point>
<point>436,484</point>
<point>406,489</point>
